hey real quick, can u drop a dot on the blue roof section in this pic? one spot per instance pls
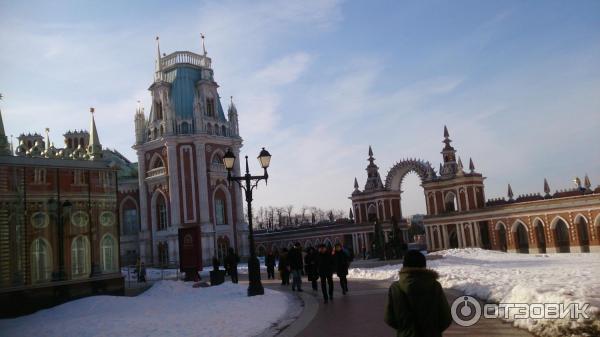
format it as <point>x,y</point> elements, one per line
<point>182,90</point>
<point>183,81</point>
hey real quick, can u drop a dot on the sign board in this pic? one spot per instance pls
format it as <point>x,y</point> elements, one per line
<point>190,257</point>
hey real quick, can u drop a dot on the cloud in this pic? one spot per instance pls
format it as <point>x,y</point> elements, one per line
<point>285,70</point>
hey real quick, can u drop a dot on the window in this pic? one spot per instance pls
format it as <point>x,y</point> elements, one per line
<point>130,221</point>
<point>108,246</point>
<point>220,211</point>
<point>161,213</point>
<point>40,220</point>
<point>210,107</point>
<point>223,131</point>
<point>185,128</point>
<point>159,111</point>
<point>78,177</point>
<point>80,256</point>
<point>41,260</point>
<point>451,202</point>
<point>209,129</point>
<point>80,219</point>
<point>39,176</point>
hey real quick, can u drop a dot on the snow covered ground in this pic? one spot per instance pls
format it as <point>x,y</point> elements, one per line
<point>155,274</point>
<point>169,308</point>
<point>517,278</point>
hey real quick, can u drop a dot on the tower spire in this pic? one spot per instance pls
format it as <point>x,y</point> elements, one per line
<point>546,188</point>
<point>373,178</point>
<point>450,167</point>
<point>355,184</point>
<point>47,140</point>
<point>4,146</point>
<point>510,193</point>
<point>94,146</point>
<point>587,183</point>
<point>158,68</point>
<point>471,166</point>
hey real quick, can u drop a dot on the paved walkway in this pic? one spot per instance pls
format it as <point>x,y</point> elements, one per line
<point>360,313</point>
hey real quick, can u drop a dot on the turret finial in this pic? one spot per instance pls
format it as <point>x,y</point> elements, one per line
<point>203,45</point>
<point>446,134</point>
<point>510,193</point>
<point>546,187</point>
<point>587,183</point>
<point>471,165</point>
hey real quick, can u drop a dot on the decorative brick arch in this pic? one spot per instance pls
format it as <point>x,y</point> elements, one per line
<point>395,176</point>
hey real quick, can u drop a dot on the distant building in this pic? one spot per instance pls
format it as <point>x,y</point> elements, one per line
<point>458,214</point>
<point>59,230</point>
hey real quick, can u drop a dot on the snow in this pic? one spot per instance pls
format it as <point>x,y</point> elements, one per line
<point>517,278</point>
<point>168,308</point>
<point>155,274</point>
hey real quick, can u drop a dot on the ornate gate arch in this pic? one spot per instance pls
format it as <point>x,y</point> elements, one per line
<point>396,175</point>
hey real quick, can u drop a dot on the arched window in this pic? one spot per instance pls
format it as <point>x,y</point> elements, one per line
<point>501,233</point>
<point>41,260</point>
<point>209,129</point>
<point>109,256</point>
<point>450,202</point>
<point>185,128</point>
<point>217,132</point>
<point>210,107</point>
<point>561,235</point>
<point>222,247</point>
<point>162,130</point>
<point>80,256</point>
<point>161,212</point>
<point>159,110</point>
<point>372,213</point>
<point>521,238</point>
<point>130,221</point>
<point>223,131</point>
<point>220,207</point>
<point>582,233</point>
<point>156,162</point>
<point>540,235</point>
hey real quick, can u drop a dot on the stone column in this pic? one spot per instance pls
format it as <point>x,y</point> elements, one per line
<point>472,225</point>
<point>202,182</point>
<point>173,184</point>
<point>440,238</point>
<point>446,237</point>
<point>459,236</point>
<point>145,224</point>
<point>428,238</point>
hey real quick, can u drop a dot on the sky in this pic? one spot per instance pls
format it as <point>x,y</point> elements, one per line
<point>317,82</point>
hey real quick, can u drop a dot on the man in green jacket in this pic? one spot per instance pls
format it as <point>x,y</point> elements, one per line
<point>417,306</point>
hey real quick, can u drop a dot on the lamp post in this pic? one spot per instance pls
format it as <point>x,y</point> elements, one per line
<point>248,182</point>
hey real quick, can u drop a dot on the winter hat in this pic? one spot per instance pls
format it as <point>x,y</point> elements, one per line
<point>414,259</point>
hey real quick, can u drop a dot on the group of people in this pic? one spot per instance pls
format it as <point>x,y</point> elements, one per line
<point>320,263</point>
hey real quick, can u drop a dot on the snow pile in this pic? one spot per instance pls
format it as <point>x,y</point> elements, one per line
<point>155,274</point>
<point>518,278</point>
<point>169,308</point>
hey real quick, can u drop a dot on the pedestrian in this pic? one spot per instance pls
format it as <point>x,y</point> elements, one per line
<point>416,304</point>
<point>142,274</point>
<point>270,264</point>
<point>284,267</point>
<point>137,269</point>
<point>216,263</point>
<point>310,266</point>
<point>296,266</point>
<point>342,263</point>
<point>325,270</point>
<point>231,263</point>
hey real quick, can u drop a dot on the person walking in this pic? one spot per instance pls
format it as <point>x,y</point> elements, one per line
<point>231,263</point>
<point>284,267</point>
<point>325,270</point>
<point>270,264</point>
<point>142,274</point>
<point>416,304</point>
<point>296,266</point>
<point>310,267</point>
<point>342,263</point>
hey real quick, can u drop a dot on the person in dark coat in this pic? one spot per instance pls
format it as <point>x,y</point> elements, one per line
<point>142,274</point>
<point>325,271</point>
<point>310,267</point>
<point>231,263</point>
<point>342,263</point>
<point>296,266</point>
<point>284,267</point>
<point>416,304</point>
<point>270,264</point>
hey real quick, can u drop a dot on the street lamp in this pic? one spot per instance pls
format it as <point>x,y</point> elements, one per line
<point>248,182</point>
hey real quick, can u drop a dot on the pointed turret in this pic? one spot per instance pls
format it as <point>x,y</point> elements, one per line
<point>510,193</point>
<point>587,183</point>
<point>140,123</point>
<point>450,166</point>
<point>546,188</point>
<point>158,67</point>
<point>4,145</point>
<point>47,141</point>
<point>471,166</point>
<point>94,147</point>
<point>232,115</point>
<point>203,45</point>
<point>351,214</point>
<point>373,179</point>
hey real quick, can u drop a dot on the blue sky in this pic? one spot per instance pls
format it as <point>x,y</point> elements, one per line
<point>317,82</point>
